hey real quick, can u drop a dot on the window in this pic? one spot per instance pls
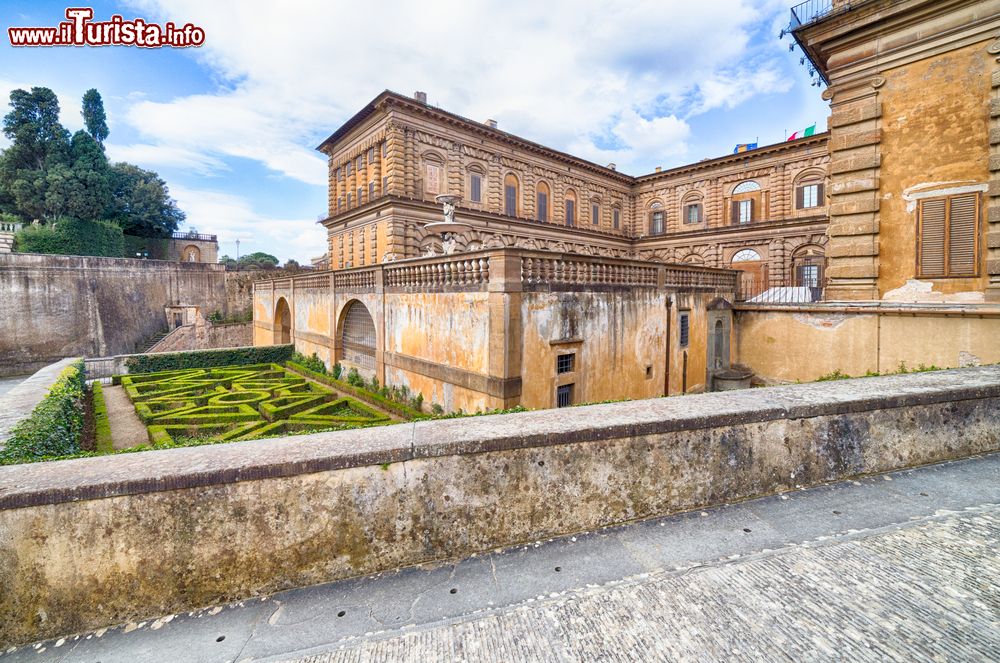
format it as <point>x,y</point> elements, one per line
<point>745,255</point>
<point>685,328</point>
<point>476,188</point>
<point>746,187</point>
<point>742,211</point>
<point>564,363</point>
<point>347,169</point>
<point>542,203</point>
<point>595,213</point>
<point>371,190</point>
<point>385,185</point>
<point>432,178</point>
<point>340,174</point>
<point>360,195</point>
<point>371,155</point>
<point>692,213</point>
<point>385,148</point>
<point>564,395</point>
<point>616,218</point>
<point>510,195</point>
<point>340,203</point>
<point>570,208</point>
<point>809,195</point>
<point>808,276</point>
<point>656,223</point>
<point>348,200</point>
<point>947,241</point>
<point>361,161</point>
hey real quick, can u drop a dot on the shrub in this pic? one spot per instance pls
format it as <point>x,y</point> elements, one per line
<point>53,428</point>
<point>313,363</point>
<point>68,236</point>
<point>417,402</point>
<point>337,371</point>
<point>437,410</point>
<point>102,439</point>
<point>354,378</point>
<point>170,361</point>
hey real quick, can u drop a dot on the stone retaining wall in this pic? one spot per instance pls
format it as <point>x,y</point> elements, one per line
<point>91,542</point>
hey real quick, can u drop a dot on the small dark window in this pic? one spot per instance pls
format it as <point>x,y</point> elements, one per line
<point>543,206</point>
<point>385,148</point>
<point>595,214</point>
<point>510,200</point>
<point>570,213</point>
<point>692,213</point>
<point>361,161</point>
<point>385,185</point>
<point>656,223</point>
<point>649,372</point>
<point>347,169</point>
<point>340,203</point>
<point>348,200</point>
<point>371,190</point>
<point>476,187</point>
<point>616,218</point>
<point>564,363</point>
<point>371,155</point>
<point>340,174</point>
<point>685,323</point>
<point>564,395</point>
<point>360,194</point>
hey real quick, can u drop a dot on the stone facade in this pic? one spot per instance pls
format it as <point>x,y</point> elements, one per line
<point>387,164</point>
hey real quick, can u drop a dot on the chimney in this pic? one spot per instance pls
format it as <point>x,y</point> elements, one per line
<point>420,96</point>
<point>658,169</point>
<point>492,124</point>
<point>612,166</point>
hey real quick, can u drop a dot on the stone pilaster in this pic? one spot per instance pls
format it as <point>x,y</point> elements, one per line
<point>395,157</point>
<point>992,235</point>
<point>855,160</point>
<point>410,164</point>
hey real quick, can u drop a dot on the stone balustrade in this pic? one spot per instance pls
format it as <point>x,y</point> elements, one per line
<point>528,269</point>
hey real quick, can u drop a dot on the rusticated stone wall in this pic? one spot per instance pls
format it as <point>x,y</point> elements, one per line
<point>166,531</point>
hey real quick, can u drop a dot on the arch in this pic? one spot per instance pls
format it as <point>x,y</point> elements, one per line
<point>595,210</point>
<point>476,179</point>
<point>808,262</point>
<point>432,172</point>
<point>357,339</point>
<point>570,207</point>
<point>191,253</point>
<point>745,255</point>
<point>747,186</point>
<point>511,195</point>
<point>282,322</point>
<point>809,175</point>
<point>693,259</point>
<point>543,201</point>
<point>692,207</point>
<point>657,218</point>
<point>809,189</point>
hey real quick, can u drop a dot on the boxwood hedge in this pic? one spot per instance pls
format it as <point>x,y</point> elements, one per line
<point>53,428</point>
<point>169,361</point>
<point>102,425</point>
<point>357,392</point>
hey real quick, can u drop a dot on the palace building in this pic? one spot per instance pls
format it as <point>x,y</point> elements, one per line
<point>872,247</point>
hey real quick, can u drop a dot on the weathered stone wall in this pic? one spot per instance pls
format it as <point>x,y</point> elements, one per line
<point>807,343</point>
<point>60,306</point>
<point>204,335</point>
<point>166,531</point>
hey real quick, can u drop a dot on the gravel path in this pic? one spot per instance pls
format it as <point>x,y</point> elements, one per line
<point>126,428</point>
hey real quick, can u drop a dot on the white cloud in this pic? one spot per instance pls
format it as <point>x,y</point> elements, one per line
<point>158,156</point>
<point>557,72</point>
<point>232,217</point>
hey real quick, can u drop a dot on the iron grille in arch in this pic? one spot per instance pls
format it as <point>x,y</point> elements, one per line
<point>359,336</point>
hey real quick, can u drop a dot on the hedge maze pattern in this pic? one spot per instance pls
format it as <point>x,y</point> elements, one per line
<point>239,403</point>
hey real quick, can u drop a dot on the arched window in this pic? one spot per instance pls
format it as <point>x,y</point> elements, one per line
<point>693,259</point>
<point>357,335</point>
<point>433,173</point>
<point>746,200</point>
<point>810,190</point>
<point>616,217</point>
<point>543,196</point>
<point>692,209</point>
<point>746,187</point>
<point>595,212</point>
<point>282,322</point>
<point>656,218</point>
<point>477,177</point>
<point>807,264</point>
<point>511,195</point>
<point>570,208</point>
<point>745,255</point>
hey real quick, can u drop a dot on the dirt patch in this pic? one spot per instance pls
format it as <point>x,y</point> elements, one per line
<point>127,430</point>
<point>88,437</point>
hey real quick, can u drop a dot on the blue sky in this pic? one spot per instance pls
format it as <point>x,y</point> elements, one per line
<point>232,126</point>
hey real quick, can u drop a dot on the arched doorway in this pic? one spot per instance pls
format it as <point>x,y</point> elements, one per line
<point>754,278</point>
<point>282,322</point>
<point>357,336</point>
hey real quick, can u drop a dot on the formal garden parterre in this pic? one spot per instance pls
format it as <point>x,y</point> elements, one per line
<point>240,403</point>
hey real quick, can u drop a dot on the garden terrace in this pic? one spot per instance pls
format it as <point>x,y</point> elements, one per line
<point>239,403</point>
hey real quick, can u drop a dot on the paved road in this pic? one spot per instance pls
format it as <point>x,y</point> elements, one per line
<point>127,430</point>
<point>901,567</point>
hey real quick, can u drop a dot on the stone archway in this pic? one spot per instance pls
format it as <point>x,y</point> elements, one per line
<point>357,338</point>
<point>282,322</point>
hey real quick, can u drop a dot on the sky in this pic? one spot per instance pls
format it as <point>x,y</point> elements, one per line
<point>232,126</point>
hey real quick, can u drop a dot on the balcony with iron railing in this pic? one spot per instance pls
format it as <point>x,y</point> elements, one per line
<point>813,11</point>
<point>195,237</point>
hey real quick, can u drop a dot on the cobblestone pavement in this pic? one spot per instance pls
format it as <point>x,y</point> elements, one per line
<point>929,591</point>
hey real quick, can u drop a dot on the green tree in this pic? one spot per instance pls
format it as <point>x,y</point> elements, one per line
<point>93,115</point>
<point>259,260</point>
<point>82,188</point>
<point>227,261</point>
<point>141,202</point>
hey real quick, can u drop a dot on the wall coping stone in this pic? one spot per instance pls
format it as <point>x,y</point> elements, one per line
<point>19,402</point>
<point>100,477</point>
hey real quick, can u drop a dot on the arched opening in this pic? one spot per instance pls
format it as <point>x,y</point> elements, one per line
<point>191,253</point>
<point>570,208</point>
<point>746,203</point>
<point>282,322</point>
<point>511,195</point>
<point>357,336</point>
<point>656,218</point>
<point>807,269</point>
<point>692,209</point>
<point>754,277</point>
<point>543,196</point>
<point>720,348</point>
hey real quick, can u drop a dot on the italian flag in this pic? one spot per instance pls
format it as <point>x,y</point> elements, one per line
<point>805,133</point>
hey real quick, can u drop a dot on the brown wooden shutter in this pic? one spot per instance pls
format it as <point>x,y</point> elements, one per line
<point>800,193</point>
<point>962,230</point>
<point>821,194</point>
<point>932,232</point>
<point>701,216</point>
<point>752,211</point>
<point>734,217</point>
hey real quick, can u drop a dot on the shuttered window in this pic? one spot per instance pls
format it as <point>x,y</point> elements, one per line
<point>476,188</point>
<point>947,241</point>
<point>742,212</point>
<point>595,214</point>
<point>809,195</point>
